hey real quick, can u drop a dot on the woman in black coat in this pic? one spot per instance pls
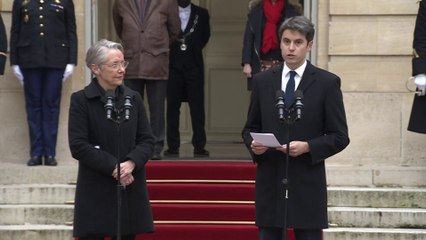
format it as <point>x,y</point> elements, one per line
<point>256,55</point>
<point>96,141</point>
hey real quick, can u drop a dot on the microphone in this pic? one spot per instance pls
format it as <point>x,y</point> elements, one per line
<point>279,97</point>
<point>298,105</point>
<point>127,107</point>
<point>109,105</point>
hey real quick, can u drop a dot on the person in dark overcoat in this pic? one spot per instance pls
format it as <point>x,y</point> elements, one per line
<point>3,46</point>
<point>263,20</point>
<point>43,53</point>
<point>321,132</point>
<point>417,122</point>
<point>98,143</point>
<point>186,78</point>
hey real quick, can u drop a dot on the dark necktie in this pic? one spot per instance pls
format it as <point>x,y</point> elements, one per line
<point>289,90</point>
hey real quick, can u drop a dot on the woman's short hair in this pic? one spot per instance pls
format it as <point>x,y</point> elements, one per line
<point>97,53</point>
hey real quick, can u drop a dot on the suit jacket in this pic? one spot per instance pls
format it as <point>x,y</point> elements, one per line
<point>417,122</point>
<point>3,46</point>
<point>146,44</point>
<point>196,41</point>
<point>37,42</point>
<point>252,42</point>
<point>93,143</point>
<point>323,126</point>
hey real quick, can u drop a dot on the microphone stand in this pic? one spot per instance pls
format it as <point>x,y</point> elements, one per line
<point>120,187</point>
<point>288,120</point>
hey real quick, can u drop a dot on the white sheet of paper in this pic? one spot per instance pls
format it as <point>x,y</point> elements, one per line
<point>267,139</point>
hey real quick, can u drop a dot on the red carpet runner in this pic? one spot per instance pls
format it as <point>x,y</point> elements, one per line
<point>202,200</point>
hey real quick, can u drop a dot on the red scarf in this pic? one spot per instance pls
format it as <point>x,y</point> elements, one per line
<point>273,14</point>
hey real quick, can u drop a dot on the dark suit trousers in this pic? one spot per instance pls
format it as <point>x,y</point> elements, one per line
<point>96,237</point>
<point>186,83</point>
<point>301,234</point>
<point>156,91</point>
<point>42,87</point>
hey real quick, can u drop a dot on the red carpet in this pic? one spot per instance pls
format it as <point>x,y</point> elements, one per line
<point>202,200</point>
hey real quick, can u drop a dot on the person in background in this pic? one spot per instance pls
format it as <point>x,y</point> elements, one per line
<point>146,29</point>
<point>98,143</point>
<point>43,53</point>
<point>320,133</point>
<point>417,122</point>
<point>3,46</point>
<point>186,78</point>
<point>261,45</point>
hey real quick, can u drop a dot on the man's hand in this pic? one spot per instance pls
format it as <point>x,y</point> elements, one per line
<point>297,148</point>
<point>258,148</point>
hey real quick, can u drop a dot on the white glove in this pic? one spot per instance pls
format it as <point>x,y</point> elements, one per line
<point>17,71</point>
<point>68,71</point>
<point>420,81</point>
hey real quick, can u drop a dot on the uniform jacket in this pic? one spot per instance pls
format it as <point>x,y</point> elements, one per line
<point>95,142</point>
<point>197,40</point>
<point>417,121</point>
<point>147,44</point>
<point>323,126</point>
<point>252,42</point>
<point>3,46</point>
<point>47,41</point>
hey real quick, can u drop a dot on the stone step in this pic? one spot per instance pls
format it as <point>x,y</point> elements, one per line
<point>36,193</point>
<point>62,232</point>
<point>337,175</point>
<point>36,214</point>
<point>338,196</point>
<point>382,197</point>
<point>374,234</point>
<point>338,216</point>
<point>377,217</point>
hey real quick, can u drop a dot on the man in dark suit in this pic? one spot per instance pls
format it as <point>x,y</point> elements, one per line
<point>320,133</point>
<point>418,112</point>
<point>43,53</point>
<point>3,46</point>
<point>186,79</point>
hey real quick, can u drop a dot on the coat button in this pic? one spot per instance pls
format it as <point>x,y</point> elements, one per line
<point>42,34</point>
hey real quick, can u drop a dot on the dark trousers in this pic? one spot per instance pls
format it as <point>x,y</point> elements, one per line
<point>42,88</point>
<point>186,83</point>
<point>301,234</point>
<point>156,91</point>
<point>97,237</point>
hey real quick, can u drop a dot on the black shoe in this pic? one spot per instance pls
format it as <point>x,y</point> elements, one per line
<point>156,156</point>
<point>171,153</point>
<point>201,153</point>
<point>50,161</point>
<point>34,161</point>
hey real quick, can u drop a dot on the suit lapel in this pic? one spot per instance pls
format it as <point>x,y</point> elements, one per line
<point>277,75</point>
<point>308,77</point>
<point>191,19</point>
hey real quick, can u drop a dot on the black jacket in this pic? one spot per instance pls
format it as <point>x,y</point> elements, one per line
<point>43,34</point>
<point>95,142</point>
<point>417,122</point>
<point>3,46</point>
<point>197,40</point>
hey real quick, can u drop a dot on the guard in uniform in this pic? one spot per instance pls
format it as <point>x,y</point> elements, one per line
<point>3,46</point>
<point>186,78</point>
<point>417,122</point>
<point>43,53</point>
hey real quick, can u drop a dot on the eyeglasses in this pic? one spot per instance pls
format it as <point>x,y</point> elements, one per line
<point>117,65</point>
